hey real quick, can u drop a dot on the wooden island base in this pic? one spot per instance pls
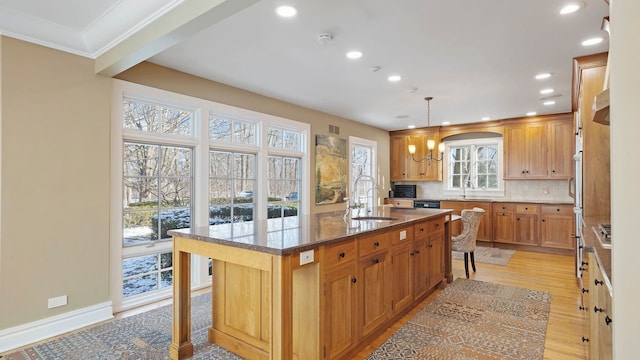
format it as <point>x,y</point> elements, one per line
<point>346,293</point>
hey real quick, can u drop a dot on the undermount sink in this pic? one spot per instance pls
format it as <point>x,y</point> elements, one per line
<point>376,218</point>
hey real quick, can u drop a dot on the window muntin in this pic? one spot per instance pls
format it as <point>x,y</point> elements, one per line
<point>232,181</point>
<point>283,187</point>
<point>157,186</point>
<point>141,274</point>
<point>474,166</point>
<point>284,139</point>
<point>154,118</point>
<point>231,130</point>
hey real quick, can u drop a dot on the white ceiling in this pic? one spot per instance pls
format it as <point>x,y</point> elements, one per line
<point>476,58</point>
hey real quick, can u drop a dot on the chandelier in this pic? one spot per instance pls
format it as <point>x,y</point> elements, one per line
<point>431,144</point>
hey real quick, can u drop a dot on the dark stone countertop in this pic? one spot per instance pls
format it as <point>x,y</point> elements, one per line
<point>592,244</point>
<point>496,200</point>
<point>283,236</point>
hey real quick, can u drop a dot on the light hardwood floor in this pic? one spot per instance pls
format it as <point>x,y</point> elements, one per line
<point>545,272</point>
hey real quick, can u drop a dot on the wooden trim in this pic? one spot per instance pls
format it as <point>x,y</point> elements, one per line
<point>579,64</point>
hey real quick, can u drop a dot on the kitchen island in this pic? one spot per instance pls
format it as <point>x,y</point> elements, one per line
<point>313,287</point>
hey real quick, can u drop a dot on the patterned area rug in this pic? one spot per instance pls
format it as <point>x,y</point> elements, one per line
<point>487,255</point>
<point>473,320</point>
<point>144,336</point>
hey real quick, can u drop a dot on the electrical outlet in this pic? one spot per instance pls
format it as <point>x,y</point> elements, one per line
<point>306,257</point>
<point>403,234</point>
<point>57,301</point>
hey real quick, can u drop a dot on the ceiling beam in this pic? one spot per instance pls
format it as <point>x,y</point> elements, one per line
<point>170,29</point>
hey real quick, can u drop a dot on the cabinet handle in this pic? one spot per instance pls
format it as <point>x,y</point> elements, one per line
<point>584,339</point>
<point>582,308</point>
<point>598,282</point>
<point>607,320</point>
<point>353,280</point>
<point>375,261</point>
<point>597,309</point>
<point>585,290</point>
<point>417,251</point>
<point>585,263</point>
<point>376,244</point>
<point>341,254</point>
<point>412,253</point>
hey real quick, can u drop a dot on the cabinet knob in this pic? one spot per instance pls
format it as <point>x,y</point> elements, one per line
<point>412,253</point>
<point>421,229</point>
<point>582,308</point>
<point>585,290</point>
<point>526,208</point>
<point>557,209</point>
<point>584,339</point>
<point>438,224</point>
<point>375,261</point>
<point>597,309</point>
<point>553,171</point>
<point>518,219</point>
<point>353,280</point>
<point>430,246</point>
<point>523,171</point>
<point>585,263</point>
<point>376,244</point>
<point>598,282</point>
<point>607,320</point>
<point>417,251</point>
<point>542,220</point>
<point>341,254</point>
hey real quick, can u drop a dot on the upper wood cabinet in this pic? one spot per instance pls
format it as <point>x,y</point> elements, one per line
<point>525,151</point>
<point>539,149</point>
<point>403,167</point>
<point>561,148</point>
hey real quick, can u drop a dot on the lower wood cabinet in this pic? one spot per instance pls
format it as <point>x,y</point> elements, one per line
<point>600,314</point>
<point>368,280</point>
<point>540,226</point>
<point>340,294</point>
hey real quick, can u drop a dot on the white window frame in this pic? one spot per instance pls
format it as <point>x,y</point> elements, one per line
<point>201,144</point>
<point>375,173</point>
<point>470,192</point>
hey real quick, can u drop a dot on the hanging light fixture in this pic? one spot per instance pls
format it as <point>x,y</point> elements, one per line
<point>431,144</point>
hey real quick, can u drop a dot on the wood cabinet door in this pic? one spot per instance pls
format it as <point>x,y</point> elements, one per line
<point>526,226</point>
<point>561,148</point>
<point>557,231</point>
<point>374,302</point>
<point>398,158</point>
<point>436,258</point>
<point>402,276</point>
<point>421,267</point>
<point>536,148</point>
<point>515,155</point>
<point>503,227</point>
<point>339,310</point>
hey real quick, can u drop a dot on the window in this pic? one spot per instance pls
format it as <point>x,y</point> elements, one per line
<point>363,162</point>
<point>474,166</point>
<point>180,162</point>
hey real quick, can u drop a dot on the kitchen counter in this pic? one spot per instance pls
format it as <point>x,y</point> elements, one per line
<point>496,200</point>
<point>303,233</point>
<point>592,244</point>
<point>277,282</point>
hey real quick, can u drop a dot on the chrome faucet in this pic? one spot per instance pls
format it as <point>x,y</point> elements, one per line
<point>359,203</point>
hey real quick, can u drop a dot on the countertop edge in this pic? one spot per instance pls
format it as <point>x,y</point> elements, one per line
<point>419,216</point>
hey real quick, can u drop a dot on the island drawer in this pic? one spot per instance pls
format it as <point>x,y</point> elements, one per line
<point>339,253</point>
<point>372,243</point>
<point>527,209</point>
<point>401,234</point>
<point>557,209</point>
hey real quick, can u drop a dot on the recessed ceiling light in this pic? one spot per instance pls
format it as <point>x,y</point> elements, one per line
<point>286,11</point>
<point>532,113</point>
<point>446,122</point>
<point>546,91</point>
<point>549,102</point>
<point>571,8</point>
<point>355,54</point>
<point>592,41</point>
<point>411,126</point>
<point>542,76</point>
<point>486,118</point>
<point>394,78</point>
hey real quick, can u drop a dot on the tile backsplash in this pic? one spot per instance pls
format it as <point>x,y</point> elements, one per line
<point>525,190</point>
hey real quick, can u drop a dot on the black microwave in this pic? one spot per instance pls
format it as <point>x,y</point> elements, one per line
<point>404,191</point>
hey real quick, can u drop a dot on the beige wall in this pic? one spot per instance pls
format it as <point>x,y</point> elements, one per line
<point>55,182</point>
<point>163,78</point>
<point>55,116</point>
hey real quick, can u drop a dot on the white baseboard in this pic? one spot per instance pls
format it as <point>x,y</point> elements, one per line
<point>26,334</point>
